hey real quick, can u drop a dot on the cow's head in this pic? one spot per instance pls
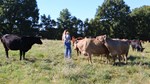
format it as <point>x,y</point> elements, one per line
<point>75,44</point>
<point>140,49</point>
<point>84,53</point>
<point>102,38</point>
<point>37,40</point>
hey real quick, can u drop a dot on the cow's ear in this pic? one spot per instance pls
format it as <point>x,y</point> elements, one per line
<point>40,37</point>
<point>104,37</point>
<point>85,37</point>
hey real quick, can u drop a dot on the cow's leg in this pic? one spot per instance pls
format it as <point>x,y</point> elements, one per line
<point>90,58</point>
<point>114,58</point>
<point>119,58</point>
<point>6,50</point>
<point>133,48</point>
<point>24,55</point>
<point>77,52</point>
<point>107,58</point>
<point>20,55</point>
<point>125,57</point>
<point>80,52</point>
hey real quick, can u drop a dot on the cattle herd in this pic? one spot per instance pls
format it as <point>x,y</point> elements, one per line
<point>111,49</point>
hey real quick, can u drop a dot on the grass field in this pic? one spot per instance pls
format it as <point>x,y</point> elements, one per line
<point>45,64</point>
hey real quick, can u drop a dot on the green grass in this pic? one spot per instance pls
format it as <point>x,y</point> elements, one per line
<point>46,65</point>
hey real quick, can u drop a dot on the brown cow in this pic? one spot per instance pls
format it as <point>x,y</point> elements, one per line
<point>116,47</point>
<point>93,47</point>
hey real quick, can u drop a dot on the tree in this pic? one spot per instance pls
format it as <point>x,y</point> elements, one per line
<point>77,26</point>
<point>113,14</point>
<point>87,30</point>
<point>19,16</point>
<point>1,17</point>
<point>66,21</point>
<point>140,18</point>
<point>47,22</point>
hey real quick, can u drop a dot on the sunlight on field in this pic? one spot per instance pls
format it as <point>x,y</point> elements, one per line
<point>45,64</point>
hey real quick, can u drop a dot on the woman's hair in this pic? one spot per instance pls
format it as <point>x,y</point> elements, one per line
<point>64,33</point>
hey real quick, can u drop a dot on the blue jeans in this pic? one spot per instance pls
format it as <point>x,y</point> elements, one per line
<point>67,49</point>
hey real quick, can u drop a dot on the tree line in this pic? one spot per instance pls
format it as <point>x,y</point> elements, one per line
<point>113,18</point>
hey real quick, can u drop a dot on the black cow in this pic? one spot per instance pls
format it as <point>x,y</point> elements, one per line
<point>14,42</point>
<point>136,45</point>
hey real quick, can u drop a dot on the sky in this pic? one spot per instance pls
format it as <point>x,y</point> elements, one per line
<point>81,9</point>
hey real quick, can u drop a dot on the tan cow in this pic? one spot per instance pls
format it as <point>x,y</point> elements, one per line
<point>90,46</point>
<point>78,46</point>
<point>116,47</point>
<point>76,39</point>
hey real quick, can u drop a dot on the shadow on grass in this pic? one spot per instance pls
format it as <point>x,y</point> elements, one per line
<point>147,52</point>
<point>140,62</point>
<point>33,60</point>
<point>48,60</point>
<point>134,60</point>
<point>119,64</point>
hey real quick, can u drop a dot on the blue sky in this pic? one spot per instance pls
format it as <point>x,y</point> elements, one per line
<point>80,8</point>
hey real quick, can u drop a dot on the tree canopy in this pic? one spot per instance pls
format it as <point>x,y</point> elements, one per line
<point>113,15</point>
<point>19,16</point>
<point>113,18</point>
<point>140,21</point>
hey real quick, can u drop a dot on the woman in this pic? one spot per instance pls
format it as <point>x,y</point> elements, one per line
<point>67,42</point>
